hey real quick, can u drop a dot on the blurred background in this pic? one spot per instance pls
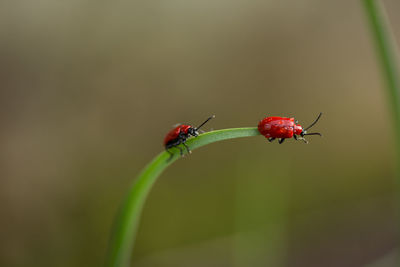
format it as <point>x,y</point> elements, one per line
<point>88,89</point>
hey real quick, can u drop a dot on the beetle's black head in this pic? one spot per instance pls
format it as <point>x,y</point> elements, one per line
<point>192,131</point>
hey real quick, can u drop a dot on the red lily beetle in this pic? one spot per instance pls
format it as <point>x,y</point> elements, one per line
<point>179,134</point>
<point>282,128</point>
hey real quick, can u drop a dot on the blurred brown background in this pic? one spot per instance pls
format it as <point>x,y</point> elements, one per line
<point>90,88</point>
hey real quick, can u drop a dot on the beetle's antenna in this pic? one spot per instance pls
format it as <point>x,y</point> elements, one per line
<point>313,134</point>
<point>213,116</point>
<point>312,124</point>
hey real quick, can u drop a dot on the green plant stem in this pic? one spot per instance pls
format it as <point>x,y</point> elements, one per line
<point>386,49</point>
<point>127,222</point>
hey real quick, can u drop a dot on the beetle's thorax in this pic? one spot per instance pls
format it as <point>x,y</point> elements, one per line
<point>298,129</point>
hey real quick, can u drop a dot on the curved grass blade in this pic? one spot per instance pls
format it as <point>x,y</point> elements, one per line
<point>125,228</point>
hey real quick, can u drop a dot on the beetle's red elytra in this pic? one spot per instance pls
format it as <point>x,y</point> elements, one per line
<point>180,134</point>
<point>282,128</point>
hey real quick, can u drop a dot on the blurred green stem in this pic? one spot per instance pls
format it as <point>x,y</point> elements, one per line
<point>386,49</point>
<point>127,222</point>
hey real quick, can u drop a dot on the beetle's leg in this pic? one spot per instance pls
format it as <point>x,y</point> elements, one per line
<point>271,139</point>
<point>281,140</point>
<point>181,151</point>
<point>187,149</point>
<point>303,139</point>
<point>295,137</point>
<point>170,154</point>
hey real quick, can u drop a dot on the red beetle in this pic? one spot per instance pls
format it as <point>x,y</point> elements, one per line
<point>282,128</point>
<point>179,134</point>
